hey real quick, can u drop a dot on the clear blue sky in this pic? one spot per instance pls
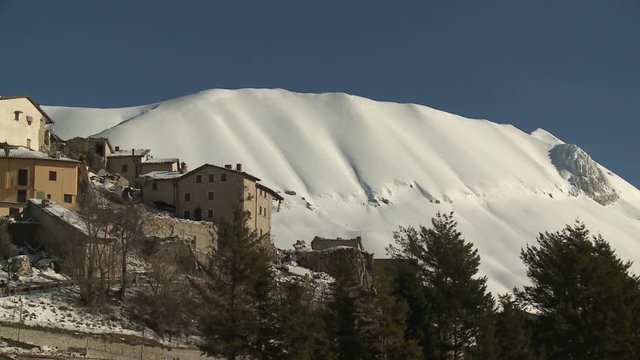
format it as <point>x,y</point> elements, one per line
<point>571,66</point>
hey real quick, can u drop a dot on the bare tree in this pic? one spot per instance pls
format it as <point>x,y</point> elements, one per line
<point>128,230</point>
<point>93,260</point>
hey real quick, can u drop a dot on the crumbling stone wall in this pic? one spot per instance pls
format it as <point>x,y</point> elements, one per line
<point>333,260</point>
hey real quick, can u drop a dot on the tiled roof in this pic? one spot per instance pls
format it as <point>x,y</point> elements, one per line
<point>136,152</point>
<point>161,161</point>
<point>162,175</point>
<point>24,153</point>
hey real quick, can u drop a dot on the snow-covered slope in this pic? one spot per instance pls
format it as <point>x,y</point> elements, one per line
<point>361,167</point>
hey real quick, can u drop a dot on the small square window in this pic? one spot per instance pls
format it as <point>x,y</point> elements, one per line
<point>210,195</point>
<point>211,178</point>
<point>223,177</point>
<point>125,168</point>
<point>48,196</point>
<point>260,210</point>
<point>154,186</point>
<point>29,144</point>
<point>187,197</point>
<point>68,198</point>
<point>210,213</point>
<point>16,115</point>
<point>187,214</point>
<point>53,176</point>
<point>198,179</point>
<point>29,119</point>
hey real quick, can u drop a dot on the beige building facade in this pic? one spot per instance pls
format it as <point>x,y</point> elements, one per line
<point>28,174</point>
<point>24,123</point>
<point>212,193</point>
<point>127,163</point>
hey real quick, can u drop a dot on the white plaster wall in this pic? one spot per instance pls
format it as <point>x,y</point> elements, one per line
<point>17,132</point>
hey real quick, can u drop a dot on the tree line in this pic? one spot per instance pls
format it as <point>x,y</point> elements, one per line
<point>582,302</point>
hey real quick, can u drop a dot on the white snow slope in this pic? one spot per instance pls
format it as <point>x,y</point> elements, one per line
<point>361,167</point>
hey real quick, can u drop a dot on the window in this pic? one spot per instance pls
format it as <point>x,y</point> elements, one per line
<point>210,213</point>
<point>260,210</point>
<point>187,214</point>
<point>260,232</point>
<point>125,168</point>
<point>223,177</point>
<point>210,195</point>
<point>198,179</point>
<point>48,196</point>
<point>28,143</point>
<point>22,196</point>
<point>187,197</point>
<point>29,119</point>
<point>154,186</point>
<point>264,213</point>
<point>23,177</point>
<point>53,176</point>
<point>16,115</point>
<point>68,198</point>
<point>211,178</point>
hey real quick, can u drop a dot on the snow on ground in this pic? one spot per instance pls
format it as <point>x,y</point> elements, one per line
<point>361,167</point>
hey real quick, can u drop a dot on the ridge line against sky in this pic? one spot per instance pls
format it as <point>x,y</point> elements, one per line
<point>569,67</point>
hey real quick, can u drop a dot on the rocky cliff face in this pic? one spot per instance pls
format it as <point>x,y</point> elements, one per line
<point>583,173</point>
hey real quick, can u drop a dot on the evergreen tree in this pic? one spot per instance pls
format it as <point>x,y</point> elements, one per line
<point>456,299</point>
<point>387,338</point>
<point>302,328</point>
<point>512,331</point>
<point>348,339</point>
<point>586,300</point>
<point>236,319</point>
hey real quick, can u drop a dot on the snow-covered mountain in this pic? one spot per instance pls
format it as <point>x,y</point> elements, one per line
<point>361,167</point>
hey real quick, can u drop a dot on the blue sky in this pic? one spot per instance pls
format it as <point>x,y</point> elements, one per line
<point>571,67</point>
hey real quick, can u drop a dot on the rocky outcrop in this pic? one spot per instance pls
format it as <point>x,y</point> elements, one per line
<point>20,265</point>
<point>333,260</point>
<point>575,165</point>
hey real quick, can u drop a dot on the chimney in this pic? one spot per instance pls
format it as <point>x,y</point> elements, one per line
<point>239,167</point>
<point>228,166</point>
<point>117,148</point>
<point>133,152</point>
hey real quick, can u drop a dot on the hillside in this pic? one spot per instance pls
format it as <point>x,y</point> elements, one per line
<point>361,167</point>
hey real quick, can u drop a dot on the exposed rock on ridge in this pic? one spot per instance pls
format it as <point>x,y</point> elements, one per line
<point>583,173</point>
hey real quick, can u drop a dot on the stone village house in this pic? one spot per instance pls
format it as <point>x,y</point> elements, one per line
<point>26,168</point>
<point>211,193</point>
<point>24,123</point>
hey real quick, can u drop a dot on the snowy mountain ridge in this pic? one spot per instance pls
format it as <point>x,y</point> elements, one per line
<point>362,167</point>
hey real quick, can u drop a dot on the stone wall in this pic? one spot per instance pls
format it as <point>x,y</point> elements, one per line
<point>334,260</point>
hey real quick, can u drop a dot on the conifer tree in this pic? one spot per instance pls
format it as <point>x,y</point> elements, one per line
<point>236,319</point>
<point>512,331</point>
<point>387,338</point>
<point>456,299</point>
<point>302,327</point>
<point>586,300</point>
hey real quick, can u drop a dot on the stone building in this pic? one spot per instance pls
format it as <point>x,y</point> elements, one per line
<point>154,164</point>
<point>24,123</point>
<point>26,174</point>
<point>127,163</point>
<point>212,193</point>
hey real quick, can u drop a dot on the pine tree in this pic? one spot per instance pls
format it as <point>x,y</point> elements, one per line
<point>302,328</point>
<point>236,320</point>
<point>349,342</point>
<point>456,299</point>
<point>588,304</point>
<point>512,331</point>
<point>387,338</point>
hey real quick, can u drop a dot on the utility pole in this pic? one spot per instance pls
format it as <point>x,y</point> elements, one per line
<point>20,320</point>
